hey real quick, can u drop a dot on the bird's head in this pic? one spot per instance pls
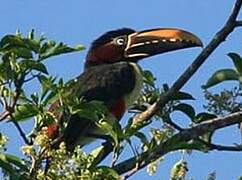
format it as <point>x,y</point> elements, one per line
<point>129,45</point>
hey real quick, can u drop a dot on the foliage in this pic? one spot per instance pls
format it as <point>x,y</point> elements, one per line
<point>22,61</point>
<point>226,101</point>
<point>227,74</point>
<point>212,176</point>
<point>179,170</point>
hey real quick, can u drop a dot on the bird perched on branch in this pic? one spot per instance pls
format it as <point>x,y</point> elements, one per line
<point>112,75</point>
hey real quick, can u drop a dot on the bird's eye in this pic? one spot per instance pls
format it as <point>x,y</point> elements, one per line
<point>120,41</point>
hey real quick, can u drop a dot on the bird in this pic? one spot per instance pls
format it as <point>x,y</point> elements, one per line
<point>112,76</point>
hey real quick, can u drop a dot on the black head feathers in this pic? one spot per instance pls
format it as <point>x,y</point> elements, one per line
<point>108,36</point>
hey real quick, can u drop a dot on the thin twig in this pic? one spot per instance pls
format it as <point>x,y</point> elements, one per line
<point>36,162</point>
<point>219,147</point>
<point>173,124</point>
<point>225,148</point>
<point>21,132</point>
<point>3,83</point>
<point>115,157</point>
<point>4,115</point>
<point>32,77</point>
<point>12,108</point>
<point>132,172</point>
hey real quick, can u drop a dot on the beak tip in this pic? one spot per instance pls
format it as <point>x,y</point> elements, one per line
<point>200,43</point>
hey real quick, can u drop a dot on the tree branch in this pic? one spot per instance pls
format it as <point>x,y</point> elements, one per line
<point>218,147</point>
<point>192,133</point>
<point>201,58</point>
<point>21,132</point>
<point>225,148</point>
<point>4,115</point>
<point>177,141</point>
<point>238,23</point>
<point>10,108</point>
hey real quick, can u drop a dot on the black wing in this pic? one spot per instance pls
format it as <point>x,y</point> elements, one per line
<point>106,83</point>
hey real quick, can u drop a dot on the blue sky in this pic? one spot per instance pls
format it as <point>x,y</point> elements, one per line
<point>79,22</point>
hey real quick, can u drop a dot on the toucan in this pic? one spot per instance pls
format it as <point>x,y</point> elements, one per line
<point>112,76</point>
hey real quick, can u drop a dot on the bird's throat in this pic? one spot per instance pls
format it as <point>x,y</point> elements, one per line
<point>134,95</point>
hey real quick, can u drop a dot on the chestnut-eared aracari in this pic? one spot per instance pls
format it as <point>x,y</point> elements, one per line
<point>112,75</point>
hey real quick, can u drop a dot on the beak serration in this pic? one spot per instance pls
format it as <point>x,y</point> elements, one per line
<point>157,41</point>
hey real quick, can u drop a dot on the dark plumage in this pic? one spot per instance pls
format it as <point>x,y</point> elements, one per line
<point>108,36</point>
<point>113,76</point>
<point>114,81</point>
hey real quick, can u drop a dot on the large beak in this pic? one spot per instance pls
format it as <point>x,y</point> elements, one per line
<point>155,41</point>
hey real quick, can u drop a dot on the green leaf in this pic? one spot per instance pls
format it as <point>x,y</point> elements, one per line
<point>142,137</point>
<point>16,161</point>
<point>237,60</point>
<point>148,77</point>
<point>165,87</point>
<point>34,65</point>
<point>112,128</point>
<point>7,161</point>
<point>31,34</point>
<point>47,83</point>
<point>22,52</point>
<point>186,109</point>
<point>212,176</point>
<point>9,42</point>
<point>5,92</point>
<point>108,128</point>
<point>220,76</point>
<point>51,49</point>
<point>48,89</point>
<point>207,137</point>
<point>107,173</point>
<point>91,110</point>
<point>4,164</point>
<point>97,154</point>
<point>131,128</point>
<point>203,117</point>
<point>79,47</point>
<point>6,71</point>
<point>25,111</point>
<point>179,170</point>
<point>183,96</point>
<point>46,46</point>
<point>35,98</point>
